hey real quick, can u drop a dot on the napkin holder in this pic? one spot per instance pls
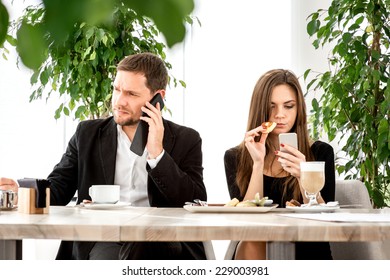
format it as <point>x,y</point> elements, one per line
<point>33,196</point>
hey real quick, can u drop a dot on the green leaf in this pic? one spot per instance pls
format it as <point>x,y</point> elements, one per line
<point>383,126</point>
<point>311,83</point>
<point>388,141</point>
<point>89,33</point>
<point>57,114</point>
<point>97,11</point>
<point>104,40</point>
<point>34,77</point>
<point>306,74</point>
<point>66,111</point>
<point>44,77</point>
<point>11,40</point>
<point>92,56</point>
<point>189,20</point>
<point>80,110</point>
<point>338,90</point>
<point>347,37</point>
<point>60,17</point>
<point>4,22</point>
<point>171,26</point>
<point>183,84</point>
<point>31,45</point>
<point>354,27</point>
<point>315,104</point>
<point>312,27</point>
<point>375,55</point>
<point>71,104</point>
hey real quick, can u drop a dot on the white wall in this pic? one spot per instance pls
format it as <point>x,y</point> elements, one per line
<point>220,61</point>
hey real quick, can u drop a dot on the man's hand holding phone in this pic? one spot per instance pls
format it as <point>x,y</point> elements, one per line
<point>154,143</point>
<point>150,129</point>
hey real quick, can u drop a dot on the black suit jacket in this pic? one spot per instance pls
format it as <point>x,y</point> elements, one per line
<point>90,160</point>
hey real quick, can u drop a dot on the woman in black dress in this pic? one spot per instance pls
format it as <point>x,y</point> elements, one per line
<point>258,166</point>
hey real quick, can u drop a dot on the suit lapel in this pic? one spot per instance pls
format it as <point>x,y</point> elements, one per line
<point>107,150</point>
<point>169,138</point>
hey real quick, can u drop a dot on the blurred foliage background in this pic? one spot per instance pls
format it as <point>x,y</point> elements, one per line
<point>73,46</point>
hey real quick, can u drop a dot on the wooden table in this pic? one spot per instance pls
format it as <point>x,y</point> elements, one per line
<point>177,224</point>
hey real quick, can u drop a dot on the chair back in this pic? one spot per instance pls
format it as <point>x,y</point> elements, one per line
<point>354,193</point>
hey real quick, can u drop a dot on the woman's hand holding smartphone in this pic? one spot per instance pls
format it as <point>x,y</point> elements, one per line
<point>289,139</point>
<point>290,161</point>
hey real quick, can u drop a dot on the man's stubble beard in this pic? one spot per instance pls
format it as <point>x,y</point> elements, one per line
<point>127,122</point>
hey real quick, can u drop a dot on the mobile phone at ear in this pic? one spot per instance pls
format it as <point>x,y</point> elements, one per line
<point>289,139</point>
<point>141,134</point>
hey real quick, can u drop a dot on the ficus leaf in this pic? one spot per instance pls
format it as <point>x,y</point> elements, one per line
<point>31,45</point>
<point>4,22</point>
<point>313,26</point>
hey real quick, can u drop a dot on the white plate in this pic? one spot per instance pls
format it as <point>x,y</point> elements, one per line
<point>225,209</point>
<point>104,206</point>
<point>313,209</point>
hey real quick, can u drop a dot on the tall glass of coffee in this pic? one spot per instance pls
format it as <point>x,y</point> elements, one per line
<point>312,179</point>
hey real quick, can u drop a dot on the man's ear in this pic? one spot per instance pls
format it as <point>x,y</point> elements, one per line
<point>162,92</point>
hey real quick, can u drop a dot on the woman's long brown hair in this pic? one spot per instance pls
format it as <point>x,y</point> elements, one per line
<point>259,112</point>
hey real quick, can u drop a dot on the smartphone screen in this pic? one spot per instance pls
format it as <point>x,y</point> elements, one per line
<point>141,134</point>
<point>289,139</point>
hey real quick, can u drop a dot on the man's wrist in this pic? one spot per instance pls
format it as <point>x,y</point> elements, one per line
<point>154,161</point>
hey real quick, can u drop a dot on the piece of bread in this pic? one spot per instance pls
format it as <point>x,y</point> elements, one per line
<point>293,203</point>
<point>269,126</point>
<point>232,203</point>
<point>246,204</point>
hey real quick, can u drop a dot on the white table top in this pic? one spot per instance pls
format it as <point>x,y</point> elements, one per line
<point>177,224</point>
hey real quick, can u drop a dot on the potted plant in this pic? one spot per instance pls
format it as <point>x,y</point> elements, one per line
<point>354,104</point>
<point>82,66</point>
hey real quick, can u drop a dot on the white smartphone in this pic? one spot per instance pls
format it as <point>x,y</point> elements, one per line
<point>289,139</point>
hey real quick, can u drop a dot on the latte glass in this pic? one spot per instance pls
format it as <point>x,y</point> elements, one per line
<point>312,179</point>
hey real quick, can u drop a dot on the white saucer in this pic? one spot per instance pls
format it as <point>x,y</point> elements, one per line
<point>267,202</point>
<point>105,206</point>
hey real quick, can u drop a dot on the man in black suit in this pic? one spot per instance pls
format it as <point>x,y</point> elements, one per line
<point>168,174</point>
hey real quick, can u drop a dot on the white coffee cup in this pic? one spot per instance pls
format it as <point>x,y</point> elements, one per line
<point>105,193</point>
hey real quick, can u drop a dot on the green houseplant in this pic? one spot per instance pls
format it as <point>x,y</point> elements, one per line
<point>355,102</point>
<point>82,67</point>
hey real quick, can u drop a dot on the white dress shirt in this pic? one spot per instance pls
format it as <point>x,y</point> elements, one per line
<point>130,172</point>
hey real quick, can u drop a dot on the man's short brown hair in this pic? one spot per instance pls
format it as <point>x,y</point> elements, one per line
<point>148,64</point>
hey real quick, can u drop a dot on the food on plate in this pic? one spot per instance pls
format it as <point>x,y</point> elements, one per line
<point>247,203</point>
<point>269,126</point>
<point>232,202</point>
<point>293,203</point>
<point>260,201</point>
